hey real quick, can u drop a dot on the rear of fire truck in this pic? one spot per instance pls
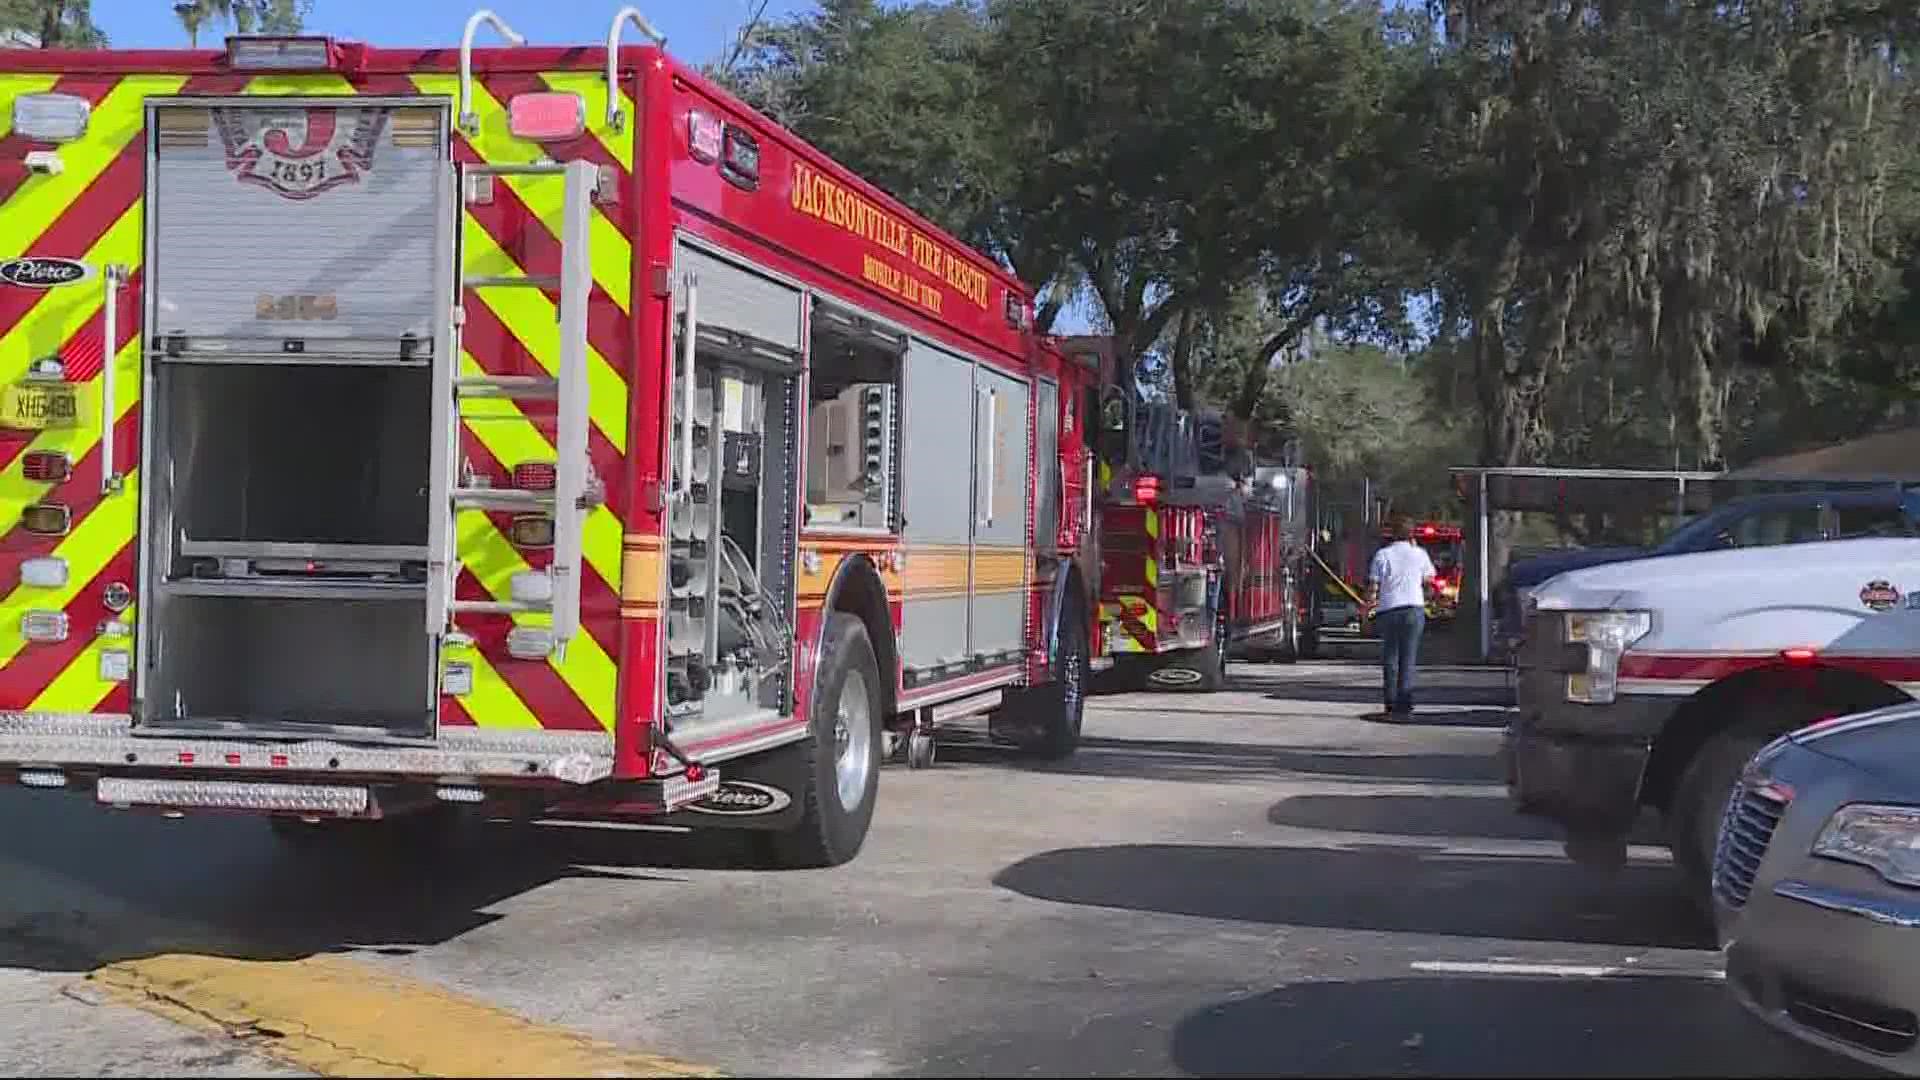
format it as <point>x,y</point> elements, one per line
<point>1199,560</point>
<point>314,437</point>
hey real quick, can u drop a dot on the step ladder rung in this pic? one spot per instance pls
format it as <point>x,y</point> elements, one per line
<point>496,607</point>
<point>529,168</point>
<point>502,498</point>
<point>507,386</point>
<point>511,281</point>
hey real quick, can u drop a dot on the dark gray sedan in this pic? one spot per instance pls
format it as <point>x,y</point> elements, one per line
<point>1817,886</point>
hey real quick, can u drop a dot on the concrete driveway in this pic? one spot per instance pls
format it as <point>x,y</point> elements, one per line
<point>1257,881</point>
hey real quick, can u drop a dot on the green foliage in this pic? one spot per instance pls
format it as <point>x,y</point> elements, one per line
<point>243,16</point>
<point>1657,233</point>
<point>55,24</point>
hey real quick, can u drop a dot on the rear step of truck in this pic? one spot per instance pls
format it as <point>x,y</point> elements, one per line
<point>459,766</point>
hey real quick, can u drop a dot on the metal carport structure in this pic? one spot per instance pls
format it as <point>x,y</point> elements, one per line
<point>1542,489</point>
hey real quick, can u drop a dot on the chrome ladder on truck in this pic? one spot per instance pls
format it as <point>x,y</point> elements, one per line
<point>575,491</point>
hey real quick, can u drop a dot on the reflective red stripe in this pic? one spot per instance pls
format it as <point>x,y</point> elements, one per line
<point>37,664</point>
<point>453,713</point>
<point>80,493</point>
<point>599,598</point>
<point>1712,668</point>
<point>95,210</point>
<point>621,212</point>
<point>499,351</point>
<point>535,682</point>
<point>15,443</point>
<point>13,148</point>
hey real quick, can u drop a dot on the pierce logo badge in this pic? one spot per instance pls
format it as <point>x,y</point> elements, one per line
<point>39,272</point>
<point>299,153</point>
<point>1880,596</point>
<point>743,798</point>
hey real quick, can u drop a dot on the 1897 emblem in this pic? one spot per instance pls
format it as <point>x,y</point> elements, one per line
<point>1880,596</point>
<point>299,153</point>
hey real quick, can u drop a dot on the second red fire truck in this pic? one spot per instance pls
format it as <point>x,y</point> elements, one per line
<point>521,429</point>
<point>1201,549</point>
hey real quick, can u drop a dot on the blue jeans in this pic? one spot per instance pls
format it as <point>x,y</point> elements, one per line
<point>1400,653</point>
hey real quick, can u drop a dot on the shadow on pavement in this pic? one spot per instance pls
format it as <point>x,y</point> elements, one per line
<point>1411,815</point>
<point>1358,692</point>
<point>1200,761</point>
<point>1488,816</point>
<point>1492,1026</point>
<point>105,887</point>
<point>1404,889</point>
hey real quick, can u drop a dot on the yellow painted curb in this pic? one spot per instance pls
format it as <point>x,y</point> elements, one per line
<point>337,1017</point>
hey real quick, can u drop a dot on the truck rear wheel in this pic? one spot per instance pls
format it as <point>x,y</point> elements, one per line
<point>840,760</point>
<point>1047,719</point>
<point>1289,650</point>
<point>1213,658</point>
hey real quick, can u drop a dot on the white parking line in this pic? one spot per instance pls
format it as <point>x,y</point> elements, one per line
<point>1562,971</point>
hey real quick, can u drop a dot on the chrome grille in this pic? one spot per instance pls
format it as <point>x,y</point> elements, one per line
<point>1745,830</point>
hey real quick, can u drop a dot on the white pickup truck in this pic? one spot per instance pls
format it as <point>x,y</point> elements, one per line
<point>1651,683</point>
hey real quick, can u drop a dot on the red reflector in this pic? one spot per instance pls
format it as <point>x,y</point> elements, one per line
<point>233,759</point>
<point>1146,489</point>
<point>1799,655</point>
<point>534,476</point>
<point>547,115</point>
<point>46,466</point>
<point>185,757</point>
<point>277,760</point>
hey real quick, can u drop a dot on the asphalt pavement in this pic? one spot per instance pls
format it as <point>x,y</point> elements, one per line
<point>1254,882</point>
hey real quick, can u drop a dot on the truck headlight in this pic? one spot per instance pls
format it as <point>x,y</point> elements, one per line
<point>1884,839</point>
<point>1606,634</point>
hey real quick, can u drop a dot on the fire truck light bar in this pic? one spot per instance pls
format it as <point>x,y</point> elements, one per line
<point>280,53</point>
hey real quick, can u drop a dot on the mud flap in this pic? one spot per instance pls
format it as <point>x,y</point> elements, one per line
<point>759,792</point>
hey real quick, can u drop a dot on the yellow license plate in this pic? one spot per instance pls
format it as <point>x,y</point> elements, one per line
<point>37,406</point>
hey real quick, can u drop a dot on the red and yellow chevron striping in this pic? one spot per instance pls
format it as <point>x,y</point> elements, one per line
<point>92,210</point>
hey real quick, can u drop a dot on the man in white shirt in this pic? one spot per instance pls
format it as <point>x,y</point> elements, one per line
<point>1397,583</point>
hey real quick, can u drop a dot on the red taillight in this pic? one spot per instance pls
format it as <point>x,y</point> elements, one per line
<point>1799,655</point>
<point>46,466</point>
<point>534,476</point>
<point>1146,489</point>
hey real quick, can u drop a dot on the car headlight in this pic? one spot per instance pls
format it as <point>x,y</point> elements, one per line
<point>1884,839</point>
<point>1606,634</point>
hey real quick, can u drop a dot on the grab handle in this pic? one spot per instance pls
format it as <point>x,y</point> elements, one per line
<point>111,277</point>
<point>616,119</point>
<point>469,122</point>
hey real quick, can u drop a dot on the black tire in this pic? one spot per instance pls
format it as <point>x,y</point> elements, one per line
<point>1212,660</point>
<point>1699,804</point>
<point>1053,714</point>
<point>829,833</point>
<point>1289,650</point>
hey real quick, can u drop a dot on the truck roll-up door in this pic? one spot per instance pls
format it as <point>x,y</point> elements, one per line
<point>294,226</point>
<point>736,299</point>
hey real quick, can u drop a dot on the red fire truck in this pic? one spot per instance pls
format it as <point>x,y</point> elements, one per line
<point>513,429</point>
<point>1201,551</point>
